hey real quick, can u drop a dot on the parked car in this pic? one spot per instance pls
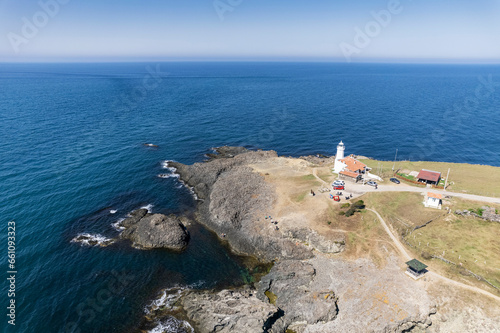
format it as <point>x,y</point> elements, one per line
<point>338,187</point>
<point>372,183</point>
<point>395,180</point>
<point>338,183</point>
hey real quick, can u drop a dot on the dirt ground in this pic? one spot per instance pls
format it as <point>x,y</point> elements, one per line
<point>365,238</point>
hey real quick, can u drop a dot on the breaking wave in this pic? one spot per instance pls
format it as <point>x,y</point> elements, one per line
<point>92,240</point>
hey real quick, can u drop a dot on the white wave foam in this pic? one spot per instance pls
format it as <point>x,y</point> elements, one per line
<point>166,165</point>
<point>172,325</point>
<point>149,207</point>
<point>92,240</point>
<point>118,225</point>
<point>191,189</point>
<point>168,297</point>
<point>112,211</point>
<point>173,174</point>
<point>169,175</point>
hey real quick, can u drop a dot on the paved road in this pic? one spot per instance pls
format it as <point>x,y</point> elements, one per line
<point>360,188</point>
<point>402,249</point>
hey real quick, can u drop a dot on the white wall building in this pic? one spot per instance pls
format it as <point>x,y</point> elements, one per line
<point>433,200</point>
<point>339,166</point>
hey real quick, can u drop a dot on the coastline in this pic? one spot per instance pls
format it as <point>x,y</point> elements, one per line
<point>295,251</point>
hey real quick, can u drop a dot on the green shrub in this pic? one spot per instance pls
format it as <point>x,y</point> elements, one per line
<point>426,255</point>
<point>342,212</point>
<point>355,207</point>
<point>345,205</point>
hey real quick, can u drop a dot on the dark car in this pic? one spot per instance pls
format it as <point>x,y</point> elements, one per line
<point>395,180</point>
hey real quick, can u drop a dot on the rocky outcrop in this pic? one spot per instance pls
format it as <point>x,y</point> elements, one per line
<point>232,196</point>
<point>317,241</point>
<point>155,231</point>
<point>228,311</point>
<point>290,286</point>
<point>488,214</point>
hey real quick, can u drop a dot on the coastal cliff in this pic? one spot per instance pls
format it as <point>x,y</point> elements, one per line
<point>234,201</point>
<point>307,290</point>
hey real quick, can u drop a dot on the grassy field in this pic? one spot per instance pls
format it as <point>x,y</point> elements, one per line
<point>327,176</point>
<point>467,178</point>
<point>402,209</point>
<point>302,186</point>
<point>473,242</point>
<point>467,241</point>
<point>365,237</point>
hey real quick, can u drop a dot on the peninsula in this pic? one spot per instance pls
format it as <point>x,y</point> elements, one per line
<point>340,259</point>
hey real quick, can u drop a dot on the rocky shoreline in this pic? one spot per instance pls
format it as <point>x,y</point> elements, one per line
<point>145,231</point>
<point>298,294</point>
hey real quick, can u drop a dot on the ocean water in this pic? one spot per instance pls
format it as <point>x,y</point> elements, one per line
<point>71,153</point>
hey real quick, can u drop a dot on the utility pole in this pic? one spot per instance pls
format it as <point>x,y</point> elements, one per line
<point>446,181</point>
<point>395,157</point>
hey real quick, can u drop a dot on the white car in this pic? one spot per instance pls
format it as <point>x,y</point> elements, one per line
<point>371,183</point>
<point>338,183</point>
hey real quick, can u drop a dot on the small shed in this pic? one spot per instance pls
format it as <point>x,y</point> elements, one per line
<point>416,269</point>
<point>433,200</point>
<point>429,177</point>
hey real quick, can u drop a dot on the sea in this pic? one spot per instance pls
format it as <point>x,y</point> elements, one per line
<point>73,161</point>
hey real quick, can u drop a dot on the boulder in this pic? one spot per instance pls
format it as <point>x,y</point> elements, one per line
<point>155,231</point>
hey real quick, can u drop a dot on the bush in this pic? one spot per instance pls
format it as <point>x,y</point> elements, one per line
<point>360,204</point>
<point>426,255</point>
<point>355,207</point>
<point>345,205</point>
<point>329,222</point>
<point>342,212</point>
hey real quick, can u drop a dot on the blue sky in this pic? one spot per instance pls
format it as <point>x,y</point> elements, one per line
<point>91,30</point>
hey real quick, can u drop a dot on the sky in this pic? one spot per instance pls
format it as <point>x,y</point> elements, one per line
<point>244,30</point>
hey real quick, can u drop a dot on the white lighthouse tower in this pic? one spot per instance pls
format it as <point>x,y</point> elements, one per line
<point>340,155</point>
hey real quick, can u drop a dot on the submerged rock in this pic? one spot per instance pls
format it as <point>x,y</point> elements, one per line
<point>155,231</point>
<point>93,240</point>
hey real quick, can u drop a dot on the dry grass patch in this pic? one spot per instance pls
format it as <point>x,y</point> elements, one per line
<point>403,210</point>
<point>471,243</point>
<point>365,237</point>
<point>467,178</point>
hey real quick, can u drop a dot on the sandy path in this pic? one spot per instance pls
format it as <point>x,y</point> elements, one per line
<point>402,249</point>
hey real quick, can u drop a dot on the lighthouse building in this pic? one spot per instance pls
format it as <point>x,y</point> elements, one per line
<point>349,167</point>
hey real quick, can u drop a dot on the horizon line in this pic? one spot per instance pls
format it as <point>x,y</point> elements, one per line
<point>256,60</point>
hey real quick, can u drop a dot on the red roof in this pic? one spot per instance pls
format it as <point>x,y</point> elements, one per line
<point>432,176</point>
<point>434,195</point>
<point>353,164</point>
<point>349,173</point>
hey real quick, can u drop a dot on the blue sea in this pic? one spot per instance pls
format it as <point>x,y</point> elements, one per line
<point>72,152</point>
